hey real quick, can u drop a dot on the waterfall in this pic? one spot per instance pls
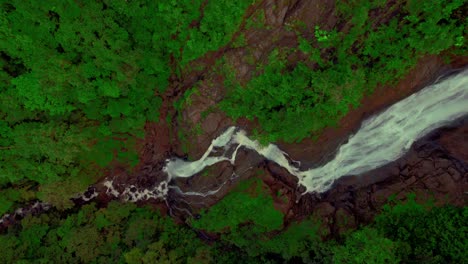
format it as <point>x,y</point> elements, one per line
<point>381,139</point>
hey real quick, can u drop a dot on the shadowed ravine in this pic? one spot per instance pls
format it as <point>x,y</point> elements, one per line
<point>381,139</point>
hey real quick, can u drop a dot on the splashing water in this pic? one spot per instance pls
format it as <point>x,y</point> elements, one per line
<point>387,136</point>
<point>381,139</point>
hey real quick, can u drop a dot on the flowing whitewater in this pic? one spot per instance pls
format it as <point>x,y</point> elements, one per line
<point>381,139</point>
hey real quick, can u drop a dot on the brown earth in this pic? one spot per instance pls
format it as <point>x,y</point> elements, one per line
<point>435,167</point>
<point>260,42</point>
<point>356,199</point>
<point>430,170</point>
<point>441,173</point>
<point>318,151</point>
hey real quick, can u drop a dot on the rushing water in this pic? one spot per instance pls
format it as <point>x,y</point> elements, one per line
<point>381,139</point>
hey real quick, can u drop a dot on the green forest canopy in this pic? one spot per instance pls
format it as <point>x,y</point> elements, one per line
<point>293,102</point>
<point>79,80</point>
<point>83,76</point>
<point>408,232</point>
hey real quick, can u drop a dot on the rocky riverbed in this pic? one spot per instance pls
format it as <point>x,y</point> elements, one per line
<point>436,166</point>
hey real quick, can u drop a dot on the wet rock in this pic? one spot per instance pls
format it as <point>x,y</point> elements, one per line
<point>442,163</point>
<point>344,197</point>
<point>211,123</point>
<point>455,174</point>
<point>411,180</point>
<point>456,142</point>
<point>247,160</point>
<point>380,197</point>
<point>281,174</point>
<point>423,168</point>
<point>275,12</point>
<point>432,183</point>
<point>397,186</point>
<point>394,171</point>
<point>344,220</point>
<point>446,182</point>
<point>405,171</point>
<point>324,210</point>
<point>305,205</point>
<point>313,12</point>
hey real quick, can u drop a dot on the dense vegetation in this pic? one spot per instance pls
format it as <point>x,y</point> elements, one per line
<point>407,232</point>
<point>78,81</point>
<point>344,65</point>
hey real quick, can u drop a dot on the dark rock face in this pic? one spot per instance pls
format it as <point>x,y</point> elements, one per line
<point>455,141</point>
<point>357,197</point>
<point>434,167</point>
<point>430,170</point>
<point>361,196</point>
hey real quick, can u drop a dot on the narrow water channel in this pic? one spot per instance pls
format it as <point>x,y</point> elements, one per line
<point>382,138</point>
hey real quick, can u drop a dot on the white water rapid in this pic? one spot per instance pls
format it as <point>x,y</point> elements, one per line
<point>381,139</point>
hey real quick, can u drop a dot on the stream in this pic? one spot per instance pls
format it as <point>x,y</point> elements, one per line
<point>381,139</point>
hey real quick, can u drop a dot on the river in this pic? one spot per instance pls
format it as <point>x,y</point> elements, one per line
<point>381,139</point>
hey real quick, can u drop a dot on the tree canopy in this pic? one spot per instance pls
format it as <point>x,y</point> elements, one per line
<point>80,79</point>
<point>293,101</point>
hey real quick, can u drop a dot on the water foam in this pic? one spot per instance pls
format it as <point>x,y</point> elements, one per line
<point>381,139</point>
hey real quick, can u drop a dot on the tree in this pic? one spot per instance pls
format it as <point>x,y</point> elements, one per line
<point>366,246</point>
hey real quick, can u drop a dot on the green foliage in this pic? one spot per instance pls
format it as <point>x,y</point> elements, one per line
<point>426,233</point>
<point>242,228</point>
<point>257,20</point>
<point>280,96</point>
<point>120,233</point>
<point>78,80</point>
<point>77,85</point>
<point>70,68</point>
<point>430,26</point>
<point>324,36</point>
<point>408,232</point>
<point>37,151</point>
<point>366,246</point>
<point>304,45</point>
<point>7,199</point>
<point>123,233</point>
<point>186,100</point>
<point>240,41</point>
<point>292,102</point>
<point>239,204</point>
<point>214,32</point>
<point>297,240</point>
<point>258,234</point>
